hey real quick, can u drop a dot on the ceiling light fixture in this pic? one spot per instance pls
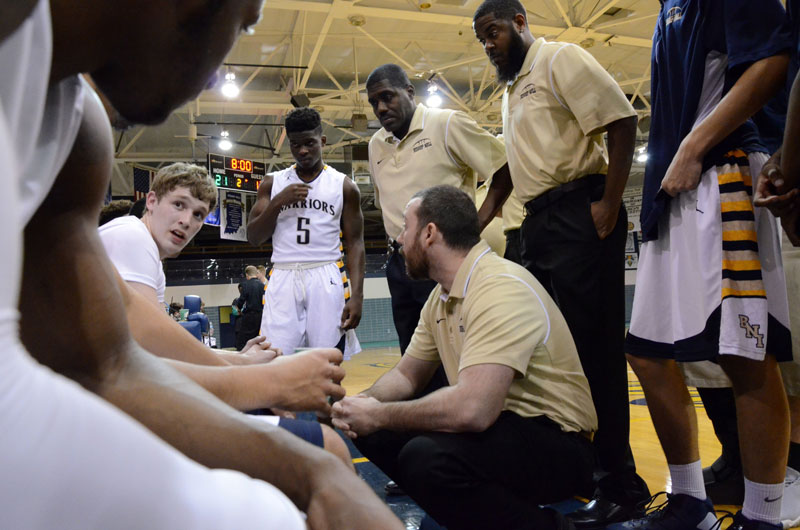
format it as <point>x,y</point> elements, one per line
<point>434,99</point>
<point>225,144</point>
<point>229,88</point>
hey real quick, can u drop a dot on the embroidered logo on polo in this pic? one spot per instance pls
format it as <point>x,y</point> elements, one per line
<point>751,331</point>
<point>421,144</point>
<point>527,90</point>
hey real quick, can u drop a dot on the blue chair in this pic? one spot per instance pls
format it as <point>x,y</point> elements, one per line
<point>193,327</point>
<point>192,303</point>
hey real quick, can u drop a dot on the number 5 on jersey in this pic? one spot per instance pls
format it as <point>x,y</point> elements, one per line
<point>302,231</point>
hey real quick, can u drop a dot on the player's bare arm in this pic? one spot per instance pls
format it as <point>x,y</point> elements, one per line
<point>299,383</point>
<point>754,88</point>
<point>496,196</point>
<point>265,212</point>
<point>158,333</point>
<point>621,142</point>
<point>353,235</point>
<point>790,162</point>
<point>85,337</point>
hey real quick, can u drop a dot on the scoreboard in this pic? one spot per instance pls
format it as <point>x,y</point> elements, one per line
<point>236,173</point>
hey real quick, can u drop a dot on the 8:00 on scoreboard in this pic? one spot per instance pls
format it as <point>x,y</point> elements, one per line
<point>236,173</point>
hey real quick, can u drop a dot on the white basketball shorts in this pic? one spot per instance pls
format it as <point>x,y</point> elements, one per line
<point>303,306</point>
<point>712,283</point>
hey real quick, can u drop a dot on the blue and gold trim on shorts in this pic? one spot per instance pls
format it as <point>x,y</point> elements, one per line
<point>741,265</point>
<point>343,270</point>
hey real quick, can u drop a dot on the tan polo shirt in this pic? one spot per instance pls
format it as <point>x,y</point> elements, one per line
<point>554,115</point>
<point>497,313</point>
<point>493,233</point>
<point>513,212</point>
<point>442,146</point>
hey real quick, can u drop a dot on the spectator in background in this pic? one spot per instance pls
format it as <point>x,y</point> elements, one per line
<point>113,210</point>
<point>138,208</point>
<point>262,274</point>
<point>250,305</point>
<point>175,311</point>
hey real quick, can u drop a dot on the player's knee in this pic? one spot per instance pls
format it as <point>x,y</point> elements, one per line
<point>748,375</point>
<point>643,366</point>
<point>334,444</point>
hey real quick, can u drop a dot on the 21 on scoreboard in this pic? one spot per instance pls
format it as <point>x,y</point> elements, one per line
<point>236,173</point>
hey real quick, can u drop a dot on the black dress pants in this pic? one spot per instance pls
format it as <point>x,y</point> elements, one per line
<point>586,277</point>
<point>513,246</point>
<point>408,297</point>
<point>251,325</point>
<point>493,479</point>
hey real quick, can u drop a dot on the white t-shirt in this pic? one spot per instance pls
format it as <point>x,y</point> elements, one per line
<point>133,252</point>
<point>308,231</point>
<point>71,460</point>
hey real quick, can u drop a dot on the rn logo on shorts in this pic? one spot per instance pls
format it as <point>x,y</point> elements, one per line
<point>424,143</point>
<point>751,330</point>
<point>527,90</point>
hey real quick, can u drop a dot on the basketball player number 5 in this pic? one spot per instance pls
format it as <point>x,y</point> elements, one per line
<point>302,232</point>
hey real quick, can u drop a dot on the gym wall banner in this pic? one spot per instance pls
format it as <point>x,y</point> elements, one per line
<point>233,216</point>
<point>632,198</point>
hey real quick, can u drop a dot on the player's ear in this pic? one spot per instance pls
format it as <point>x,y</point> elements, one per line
<point>150,201</point>
<point>323,140</point>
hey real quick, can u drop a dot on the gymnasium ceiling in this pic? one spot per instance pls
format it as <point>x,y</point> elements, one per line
<point>325,49</point>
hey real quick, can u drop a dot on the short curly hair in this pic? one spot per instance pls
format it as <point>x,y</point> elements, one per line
<point>390,72</point>
<point>453,212</point>
<point>303,119</point>
<point>192,176</point>
<point>501,9</point>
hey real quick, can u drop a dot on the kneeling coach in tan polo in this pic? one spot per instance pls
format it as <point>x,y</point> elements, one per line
<point>511,430</point>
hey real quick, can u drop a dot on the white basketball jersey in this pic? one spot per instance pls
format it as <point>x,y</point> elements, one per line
<point>309,230</point>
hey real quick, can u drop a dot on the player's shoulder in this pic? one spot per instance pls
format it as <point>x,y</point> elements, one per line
<point>125,226</point>
<point>282,173</point>
<point>333,172</point>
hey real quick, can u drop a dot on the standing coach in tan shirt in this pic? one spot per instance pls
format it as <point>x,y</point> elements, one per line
<point>557,104</point>
<point>419,147</point>
<point>510,431</point>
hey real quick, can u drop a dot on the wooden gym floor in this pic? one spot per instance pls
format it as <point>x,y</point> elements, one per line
<point>370,364</point>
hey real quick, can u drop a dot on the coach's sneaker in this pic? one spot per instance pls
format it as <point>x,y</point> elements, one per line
<point>740,522</point>
<point>790,505</point>
<point>679,512</point>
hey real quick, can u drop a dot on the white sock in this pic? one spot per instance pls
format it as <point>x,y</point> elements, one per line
<point>762,502</point>
<point>687,479</point>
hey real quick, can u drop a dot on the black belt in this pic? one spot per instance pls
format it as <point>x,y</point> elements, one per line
<point>544,200</point>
